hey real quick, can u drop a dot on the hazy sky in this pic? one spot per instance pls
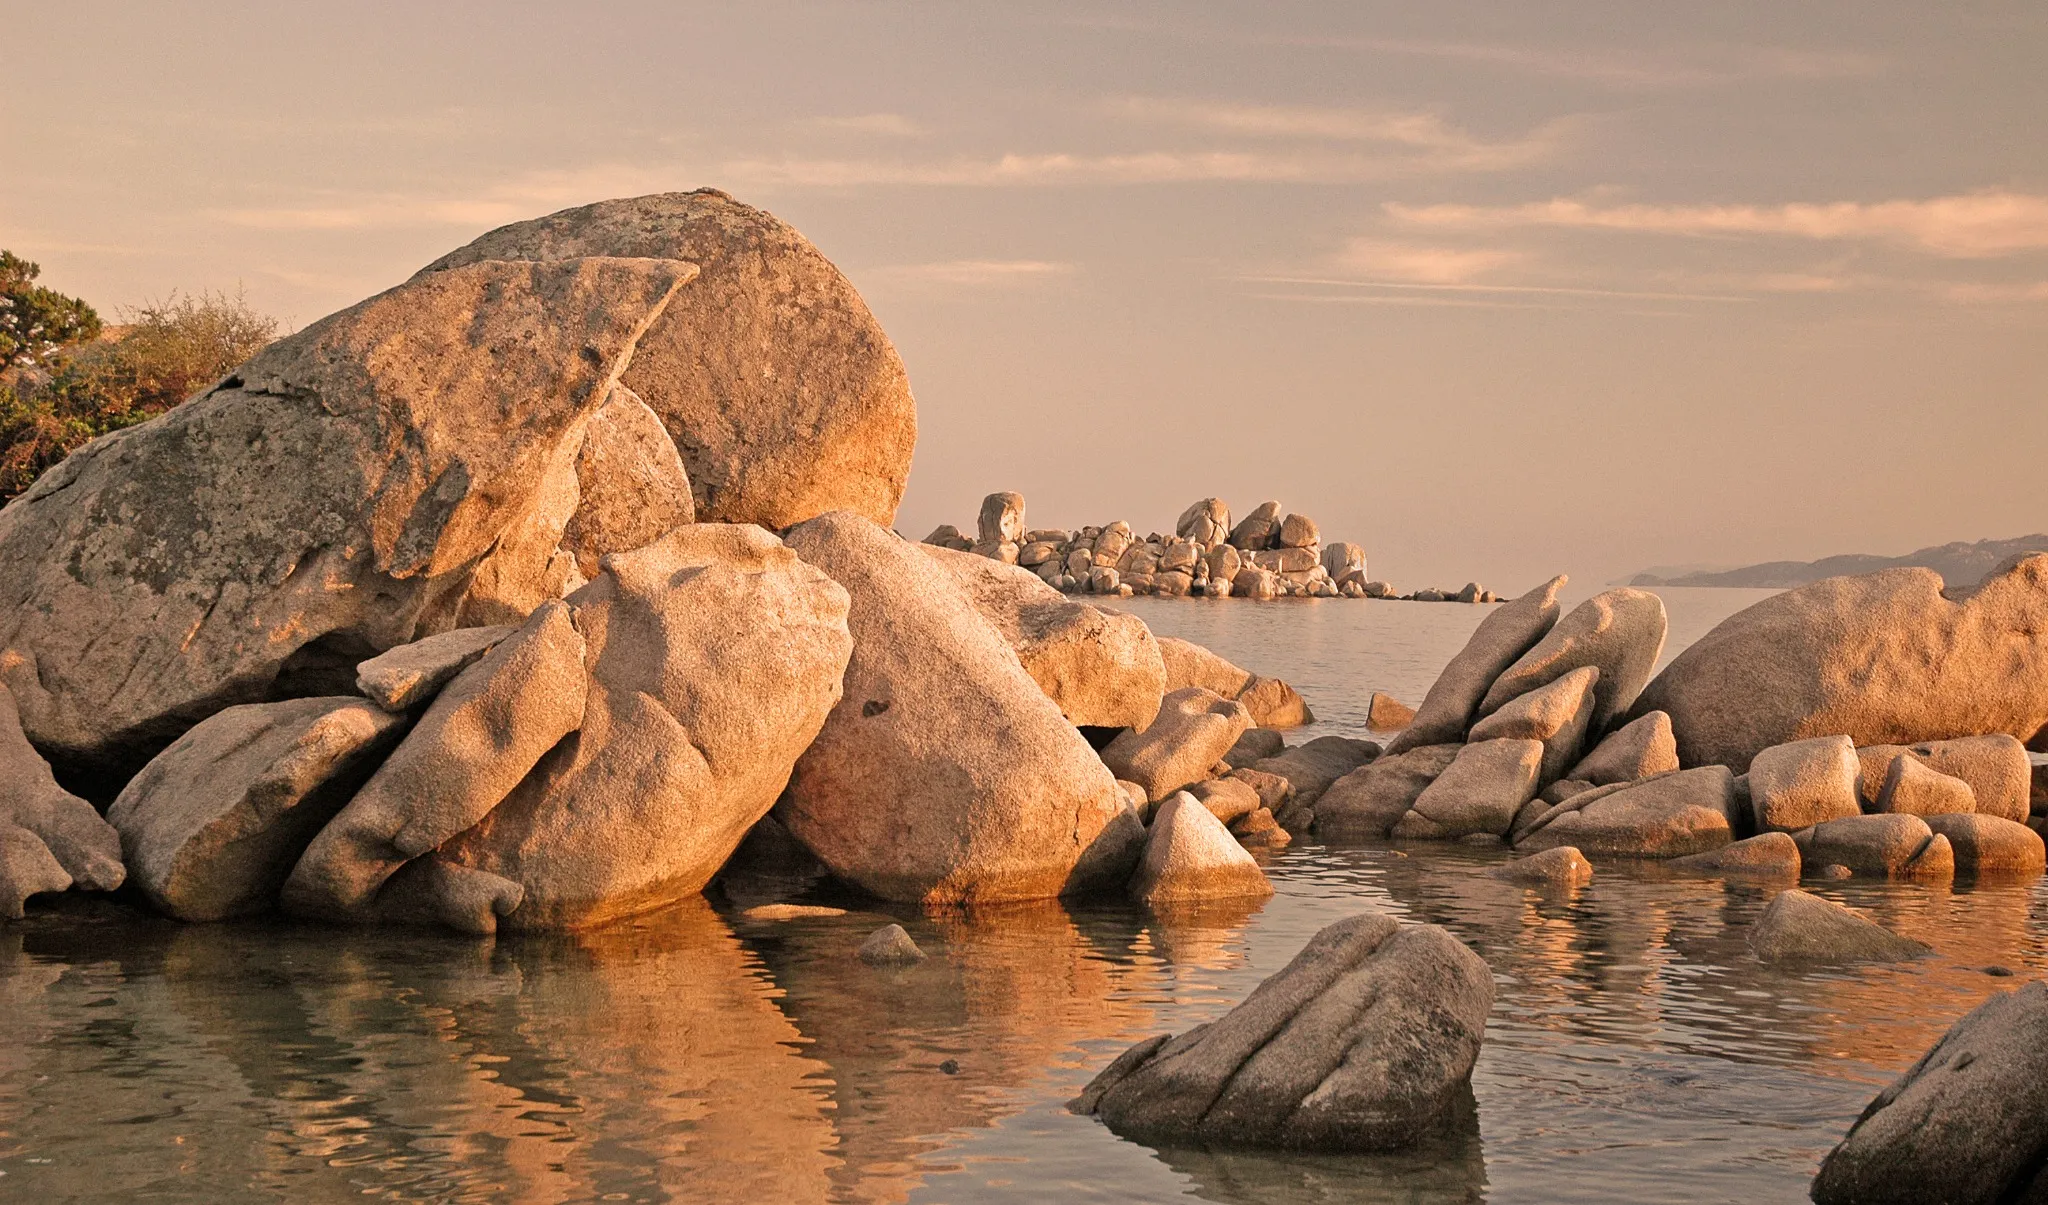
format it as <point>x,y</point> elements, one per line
<point>1495,290</point>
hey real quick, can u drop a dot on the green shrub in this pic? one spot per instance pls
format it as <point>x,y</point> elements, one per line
<point>167,352</point>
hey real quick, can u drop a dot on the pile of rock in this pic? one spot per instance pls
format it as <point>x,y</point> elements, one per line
<point>1268,554</point>
<point>517,595</point>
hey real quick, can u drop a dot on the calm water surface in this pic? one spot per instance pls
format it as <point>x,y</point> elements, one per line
<point>1636,1051</point>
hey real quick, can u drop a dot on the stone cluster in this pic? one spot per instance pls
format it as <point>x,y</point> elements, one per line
<point>1268,554</point>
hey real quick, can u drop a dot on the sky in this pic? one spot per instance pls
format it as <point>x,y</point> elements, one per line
<point>1496,291</point>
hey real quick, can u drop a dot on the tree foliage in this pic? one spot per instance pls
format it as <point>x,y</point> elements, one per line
<point>34,321</point>
<point>166,352</point>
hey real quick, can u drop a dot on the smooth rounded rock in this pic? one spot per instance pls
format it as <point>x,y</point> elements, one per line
<point>1803,928</point>
<point>1803,783</point>
<point>1990,845</point>
<point>1563,866</point>
<point>890,945</point>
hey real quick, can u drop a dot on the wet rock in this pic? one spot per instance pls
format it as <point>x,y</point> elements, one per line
<point>714,656</point>
<point>890,945</point>
<point>1669,816</point>
<point>1894,846</point>
<point>1499,641</point>
<point>1910,787</point>
<point>1102,668</point>
<point>1364,1042</point>
<point>1191,857</point>
<point>1189,664</point>
<point>50,839</point>
<point>1312,766</point>
<point>1558,715</point>
<point>412,674</point>
<point>1803,928</point>
<point>1641,748</point>
<point>1228,799</point>
<point>1479,792</point>
<point>371,479</point>
<point>1559,867</point>
<point>1193,731</point>
<point>1965,1123</point>
<point>1621,632</point>
<point>1255,745</point>
<point>1369,801</point>
<point>215,822</point>
<point>1849,655</point>
<point>477,740</point>
<point>944,774</point>
<point>1275,704</point>
<point>1385,713</point>
<point>1990,844</point>
<point>1798,785</point>
<point>1766,855</point>
<point>1995,767</point>
<point>777,385</point>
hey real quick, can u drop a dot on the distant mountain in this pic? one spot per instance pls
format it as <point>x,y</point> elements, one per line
<point>1959,564</point>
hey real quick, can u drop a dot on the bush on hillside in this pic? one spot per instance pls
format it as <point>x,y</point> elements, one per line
<point>167,352</point>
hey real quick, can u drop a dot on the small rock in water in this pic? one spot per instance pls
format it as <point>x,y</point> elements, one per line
<point>950,1066</point>
<point>790,912</point>
<point>1560,867</point>
<point>890,945</point>
<point>2000,972</point>
<point>1798,927</point>
<point>1834,870</point>
<point>1385,713</point>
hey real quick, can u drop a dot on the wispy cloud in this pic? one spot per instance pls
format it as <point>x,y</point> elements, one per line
<point>1644,69</point>
<point>975,273</point>
<point>1333,288</point>
<point>525,196</point>
<point>1974,225</point>
<point>1437,142</point>
<point>1423,263</point>
<point>882,125</point>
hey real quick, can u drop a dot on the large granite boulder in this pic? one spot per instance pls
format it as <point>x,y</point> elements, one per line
<point>1885,658</point>
<point>1670,816</point>
<point>388,472</point>
<point>1499,641</point>
<point>1258,530</point>
<point>475,742</point>
<point>1102,667</point>
<point>714,657</point>
<point>945,774</point>
<point>777,385</point>
<point>215,822</point>
<point>1621,632</point>
<point>50,839</point>
<point>1966,1124</point>
<point>1364,1042</point>
<point>1192,732</point>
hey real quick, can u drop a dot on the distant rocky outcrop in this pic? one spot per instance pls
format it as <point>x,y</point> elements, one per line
<point>1959,564</point>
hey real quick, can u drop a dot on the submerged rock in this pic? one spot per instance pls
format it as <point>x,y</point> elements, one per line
<point>1965,1124</point>
<point>1385,713</point>
<point>890,945</point>
<point>1563,866</point>
<point>1798,927</point>
<point>1364,1042</point>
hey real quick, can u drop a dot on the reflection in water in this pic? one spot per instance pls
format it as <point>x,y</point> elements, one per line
<point>1636,1052</point>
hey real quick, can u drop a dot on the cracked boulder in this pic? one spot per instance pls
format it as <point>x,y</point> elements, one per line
<point>945,775</point>
<point>713,657</point>
<point>50,839</point>
<point>777,385</point>
<point>1364,1042</point>
<point>388,472</point>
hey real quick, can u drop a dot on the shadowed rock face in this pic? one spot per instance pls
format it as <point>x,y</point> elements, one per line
<point>351,488</point>
<point>777,385</point>
<point>1363,1043</point>
<point>1886,658</point>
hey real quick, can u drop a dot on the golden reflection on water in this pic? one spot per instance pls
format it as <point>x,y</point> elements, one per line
<point>700,1055</point>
